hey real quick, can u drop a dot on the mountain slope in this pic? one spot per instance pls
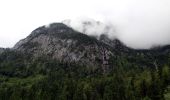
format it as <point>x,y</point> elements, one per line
<point>58,63</point>
<point>62,43</point>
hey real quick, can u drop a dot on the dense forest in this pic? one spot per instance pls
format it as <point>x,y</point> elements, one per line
<point>59,63</point>
<point>25,78</point>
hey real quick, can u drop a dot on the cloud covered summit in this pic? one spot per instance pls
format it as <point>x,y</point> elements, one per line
<point>138,23</point>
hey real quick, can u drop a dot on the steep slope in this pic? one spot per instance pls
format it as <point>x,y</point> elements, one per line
<point>60,42</point>
<point>57,63</point>
<point>149,58</point>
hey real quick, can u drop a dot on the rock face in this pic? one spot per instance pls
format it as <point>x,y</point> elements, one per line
<point>60,42</point>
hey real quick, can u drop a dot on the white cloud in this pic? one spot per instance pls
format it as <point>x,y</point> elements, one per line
<point>138,23</point>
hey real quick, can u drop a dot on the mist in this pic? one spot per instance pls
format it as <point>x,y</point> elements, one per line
<point>91,27</point>
<point>139,24</point>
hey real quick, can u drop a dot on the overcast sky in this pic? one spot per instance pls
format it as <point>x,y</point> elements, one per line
<point>138,23</point>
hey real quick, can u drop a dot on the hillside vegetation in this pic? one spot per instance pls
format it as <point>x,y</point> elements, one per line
<point>24,78</point>
<point>58,63</point>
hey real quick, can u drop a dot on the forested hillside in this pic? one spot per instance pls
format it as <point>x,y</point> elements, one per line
<point>51,65</point>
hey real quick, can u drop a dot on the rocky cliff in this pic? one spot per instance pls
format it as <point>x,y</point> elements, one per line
<point>61,42</point>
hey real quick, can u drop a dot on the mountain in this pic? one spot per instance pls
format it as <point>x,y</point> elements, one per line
<point>56,62</point>
<point>60,42</point>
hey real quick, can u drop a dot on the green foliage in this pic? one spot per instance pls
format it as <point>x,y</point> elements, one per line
<point>24,78</point>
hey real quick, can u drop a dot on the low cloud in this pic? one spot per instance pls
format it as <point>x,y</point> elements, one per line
<point>91,27</point>
<point>139,24</point>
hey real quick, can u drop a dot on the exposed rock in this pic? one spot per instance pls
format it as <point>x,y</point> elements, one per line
<point>60,42</point>
<point>63,43</point>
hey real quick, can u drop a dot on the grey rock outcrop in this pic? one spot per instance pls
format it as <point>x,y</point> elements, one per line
<point>61,42</point>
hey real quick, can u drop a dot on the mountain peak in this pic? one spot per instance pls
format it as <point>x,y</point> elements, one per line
<point>58,41</point>
<point>53,28</point>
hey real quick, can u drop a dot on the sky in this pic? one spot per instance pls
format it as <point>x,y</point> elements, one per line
<point>137,23</point>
